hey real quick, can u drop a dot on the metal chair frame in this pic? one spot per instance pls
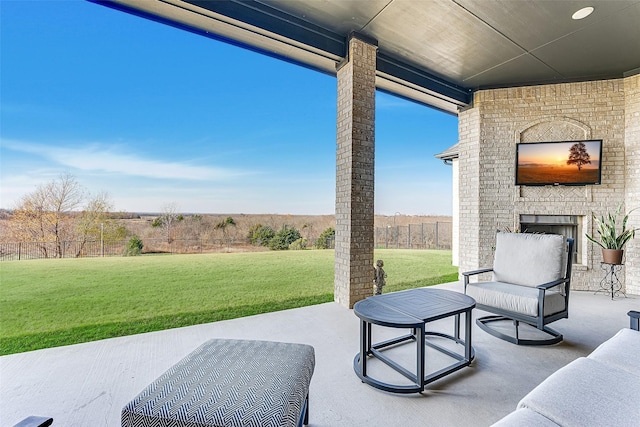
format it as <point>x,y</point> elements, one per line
<point>539,321</point>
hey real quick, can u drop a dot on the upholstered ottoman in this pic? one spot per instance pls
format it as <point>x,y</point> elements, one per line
<point>229,383</point>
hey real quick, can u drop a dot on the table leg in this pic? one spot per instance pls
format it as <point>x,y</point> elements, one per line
<point>420,358</point>
<point>467,336</point>
<point>457,328</point>
<point>365,345</point>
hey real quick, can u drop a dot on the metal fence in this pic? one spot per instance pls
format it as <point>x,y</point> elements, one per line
<point>73,249</point>
<point>415,236</point>
<point>436,235</point>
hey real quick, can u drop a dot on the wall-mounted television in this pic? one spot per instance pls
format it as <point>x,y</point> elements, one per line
<point>559,163</point>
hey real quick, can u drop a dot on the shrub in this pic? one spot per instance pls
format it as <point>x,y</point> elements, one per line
<point>298,245</point>
<point>284,238</point>
<point>326,239</point>
<point>252,231</point>
<point>261,235</point>
<point>134,247</point>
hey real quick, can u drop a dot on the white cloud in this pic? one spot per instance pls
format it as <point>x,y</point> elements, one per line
<point>98,158</point>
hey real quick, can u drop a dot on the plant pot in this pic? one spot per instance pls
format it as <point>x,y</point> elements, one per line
<point>612,256</point>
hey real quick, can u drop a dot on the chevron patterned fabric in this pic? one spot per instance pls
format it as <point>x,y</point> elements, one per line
<point>229,383</point>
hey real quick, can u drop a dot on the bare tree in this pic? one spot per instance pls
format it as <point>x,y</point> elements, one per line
<point>223,225</point>
<point>44,215</point>
<point>167,220</point>
<point>95,223</point>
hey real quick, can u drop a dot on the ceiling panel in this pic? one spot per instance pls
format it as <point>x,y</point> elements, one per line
<point>470,44</point>
<point>341,17</point>
<point>523,70</point>
<point>532,24</point>
<point>606,49</point>
<point>454,48</point>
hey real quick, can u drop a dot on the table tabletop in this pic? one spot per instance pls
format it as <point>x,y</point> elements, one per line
<point>413,307</point>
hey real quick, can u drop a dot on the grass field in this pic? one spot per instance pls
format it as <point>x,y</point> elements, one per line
<point>48,303</point>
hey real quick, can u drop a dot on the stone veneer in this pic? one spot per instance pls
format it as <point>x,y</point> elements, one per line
<point>500,118</point>
<point>355,174</point>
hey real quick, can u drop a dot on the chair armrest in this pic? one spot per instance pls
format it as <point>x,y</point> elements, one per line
<point>474,272</point>
<point>466,275</point>
<point>547,286</point>
<point>634,320</point>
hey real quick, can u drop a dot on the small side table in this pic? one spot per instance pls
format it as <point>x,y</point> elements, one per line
<point>610,283</point>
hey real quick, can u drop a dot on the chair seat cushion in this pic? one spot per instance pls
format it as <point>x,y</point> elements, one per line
<point>514,298</point>
<point>587,393</point>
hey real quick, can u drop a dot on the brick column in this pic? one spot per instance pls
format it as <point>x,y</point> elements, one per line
<point>355,173</point>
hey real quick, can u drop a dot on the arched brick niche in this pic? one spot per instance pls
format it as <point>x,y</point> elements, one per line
<point>558,129</point>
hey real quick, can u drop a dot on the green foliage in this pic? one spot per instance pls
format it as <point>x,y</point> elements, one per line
<point>134,247</point>
<point>326,238</point>
<point>284,238</point>
<point>157,222</point>
<point>68,301</point>
<point>252,231</point>
<point>261,235</point>
<point>607,232</point>
<point>116,232</point>
<point>222,225</point>
<point>298,245</point>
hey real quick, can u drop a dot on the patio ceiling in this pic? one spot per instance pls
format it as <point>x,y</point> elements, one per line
<point>435,52</point>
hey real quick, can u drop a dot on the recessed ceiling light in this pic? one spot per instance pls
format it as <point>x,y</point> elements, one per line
<point>582,13</point>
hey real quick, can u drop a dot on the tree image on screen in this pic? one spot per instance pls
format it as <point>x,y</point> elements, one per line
<point>578,155</point>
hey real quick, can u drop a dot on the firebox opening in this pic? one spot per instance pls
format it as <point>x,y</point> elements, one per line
<point>567,225</point>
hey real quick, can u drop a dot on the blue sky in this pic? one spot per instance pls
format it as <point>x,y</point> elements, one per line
<point>154,116</point>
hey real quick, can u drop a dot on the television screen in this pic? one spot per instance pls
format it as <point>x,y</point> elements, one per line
<point>559,163</point>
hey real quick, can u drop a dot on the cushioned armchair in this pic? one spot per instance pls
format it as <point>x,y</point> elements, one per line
<point>530,284</point>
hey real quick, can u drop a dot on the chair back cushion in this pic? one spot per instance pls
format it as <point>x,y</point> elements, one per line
<point>527,259</point>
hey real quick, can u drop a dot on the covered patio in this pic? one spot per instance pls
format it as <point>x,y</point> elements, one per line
<point>88,384</point>
<point>478,60</point>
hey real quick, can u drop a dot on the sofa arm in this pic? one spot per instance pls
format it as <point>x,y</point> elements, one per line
<point>634,320</point>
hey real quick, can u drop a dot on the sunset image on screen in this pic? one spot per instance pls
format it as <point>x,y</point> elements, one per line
<point>576,162</point>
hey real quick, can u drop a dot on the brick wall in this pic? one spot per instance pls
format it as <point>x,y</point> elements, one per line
<point>632,155</point>
<point>500,118</point>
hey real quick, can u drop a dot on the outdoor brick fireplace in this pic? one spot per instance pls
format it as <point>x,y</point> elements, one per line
<point>489,199</point>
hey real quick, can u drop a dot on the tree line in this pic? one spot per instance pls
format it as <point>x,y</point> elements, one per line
<point>62,210</point>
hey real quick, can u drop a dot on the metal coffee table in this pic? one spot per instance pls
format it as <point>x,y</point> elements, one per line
<point>413,309</point>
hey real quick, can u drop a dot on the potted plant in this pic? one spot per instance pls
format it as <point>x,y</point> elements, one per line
<point>612,242</point>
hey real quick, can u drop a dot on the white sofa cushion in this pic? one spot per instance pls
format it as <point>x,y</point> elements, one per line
<point>587,393</point>
<point>519,299</point>
<point>528,259</point>
<point>524,417</point>
<point>622,351</point>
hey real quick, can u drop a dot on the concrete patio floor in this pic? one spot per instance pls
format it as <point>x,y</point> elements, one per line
<point>88,384</point>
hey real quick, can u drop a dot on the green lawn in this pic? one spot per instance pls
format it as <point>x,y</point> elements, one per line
<point>47,303</point>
